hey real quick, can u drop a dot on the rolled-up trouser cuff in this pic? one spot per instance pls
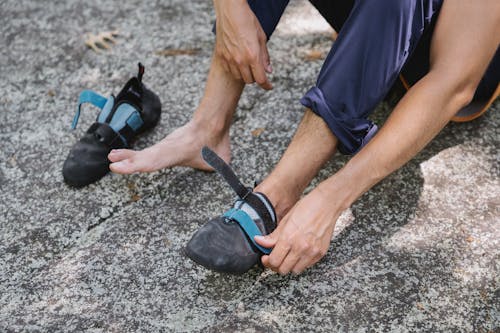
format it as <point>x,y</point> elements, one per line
<point>352,133</point>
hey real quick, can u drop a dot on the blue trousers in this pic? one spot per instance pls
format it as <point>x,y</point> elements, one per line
<point>376,39</point>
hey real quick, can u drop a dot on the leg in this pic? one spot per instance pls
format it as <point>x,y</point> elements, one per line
<point>363,64</point>
<point>335,12</point>
<point>487,91</point>
<point>293,173</point>
<point>349,86</point>
<point>211,120</point>
<point>470,29</point>
<point>209,126</point>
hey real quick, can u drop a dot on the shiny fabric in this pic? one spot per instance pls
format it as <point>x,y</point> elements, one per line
<point>377,40</point>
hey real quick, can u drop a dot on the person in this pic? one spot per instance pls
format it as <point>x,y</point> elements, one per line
<point>375,41</point>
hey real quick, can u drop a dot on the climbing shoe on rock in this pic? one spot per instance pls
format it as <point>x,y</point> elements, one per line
<point>133,111</point>
<point>226,243</point>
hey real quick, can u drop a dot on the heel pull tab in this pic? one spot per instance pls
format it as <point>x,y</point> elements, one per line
<point>225,171</point>
<point>140,73</point>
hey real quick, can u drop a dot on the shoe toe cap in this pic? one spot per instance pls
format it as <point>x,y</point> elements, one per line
<point>85,164</point>
<point>222,247</point>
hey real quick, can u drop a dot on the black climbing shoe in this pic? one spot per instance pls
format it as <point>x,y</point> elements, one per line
<point>134,110</point>
<point>226,243</point>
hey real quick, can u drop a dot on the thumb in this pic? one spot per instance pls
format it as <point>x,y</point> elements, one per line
<point>267,241</point>
<point>271,239</point>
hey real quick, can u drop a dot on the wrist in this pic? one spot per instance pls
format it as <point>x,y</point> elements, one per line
<point>334,191</point>
<point>351,182</point>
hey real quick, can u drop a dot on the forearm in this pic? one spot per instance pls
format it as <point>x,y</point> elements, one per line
<point>418,118</point>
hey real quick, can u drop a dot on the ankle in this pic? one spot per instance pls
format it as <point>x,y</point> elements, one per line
<point>210,130</point>
<point>211,126</point>
<point>281,198</point>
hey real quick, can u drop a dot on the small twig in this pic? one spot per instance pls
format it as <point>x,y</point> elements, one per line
<point>176,52</point>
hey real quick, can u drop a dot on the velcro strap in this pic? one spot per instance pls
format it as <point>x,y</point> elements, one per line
<point>105,134</point>
<point>225,171</point>
<point>127,133</point>
<point>247,225</point>
<point>88,96</point>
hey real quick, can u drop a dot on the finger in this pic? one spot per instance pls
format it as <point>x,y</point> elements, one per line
<point>266,59</point>
<point>246,74</point>
<point>269,241</point>
<point>304,263</point>
<point>301,266</point>
<point>279,253</point>
<point>288,263</point>
<point>266,241</point>
<point>265,260</point>
<point>260,77</point>
<point>225,65</point>
<point>260,67</point>
<point>235,71</point>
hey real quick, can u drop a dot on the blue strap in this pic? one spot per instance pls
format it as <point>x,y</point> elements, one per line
<point>248,225</point>
<point>88,96</point>
<point>106,110</point>
<point>126,114</point>
<point>135,121</point>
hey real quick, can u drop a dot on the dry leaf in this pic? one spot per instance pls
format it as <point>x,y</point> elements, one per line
<point>131,186</point>
<point>313,55</point>
<point>420,306</point>
<point>134,196</point>
<point>101,40</point>
<point>470,239</point>
<point>258,131</point>
<point>176,52</point>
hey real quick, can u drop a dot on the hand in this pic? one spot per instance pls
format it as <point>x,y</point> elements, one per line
<point>303,236</point>
<point>241,43</point>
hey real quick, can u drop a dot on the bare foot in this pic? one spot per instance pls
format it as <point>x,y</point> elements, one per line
<point>180,148</point>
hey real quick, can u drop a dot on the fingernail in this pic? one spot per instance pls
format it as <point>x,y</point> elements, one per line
<point>269,68</point>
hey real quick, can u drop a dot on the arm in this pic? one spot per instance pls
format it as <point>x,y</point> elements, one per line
<point>304,235</point>
<point>434,100</point>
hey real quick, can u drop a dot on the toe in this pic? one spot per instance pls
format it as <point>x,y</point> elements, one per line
<point>126,166</point>
<point>117,155</point>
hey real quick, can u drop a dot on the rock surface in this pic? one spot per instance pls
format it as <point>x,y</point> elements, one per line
<point>419,252</point>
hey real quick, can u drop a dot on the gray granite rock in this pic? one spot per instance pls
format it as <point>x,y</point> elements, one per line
<point>419,252</point>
